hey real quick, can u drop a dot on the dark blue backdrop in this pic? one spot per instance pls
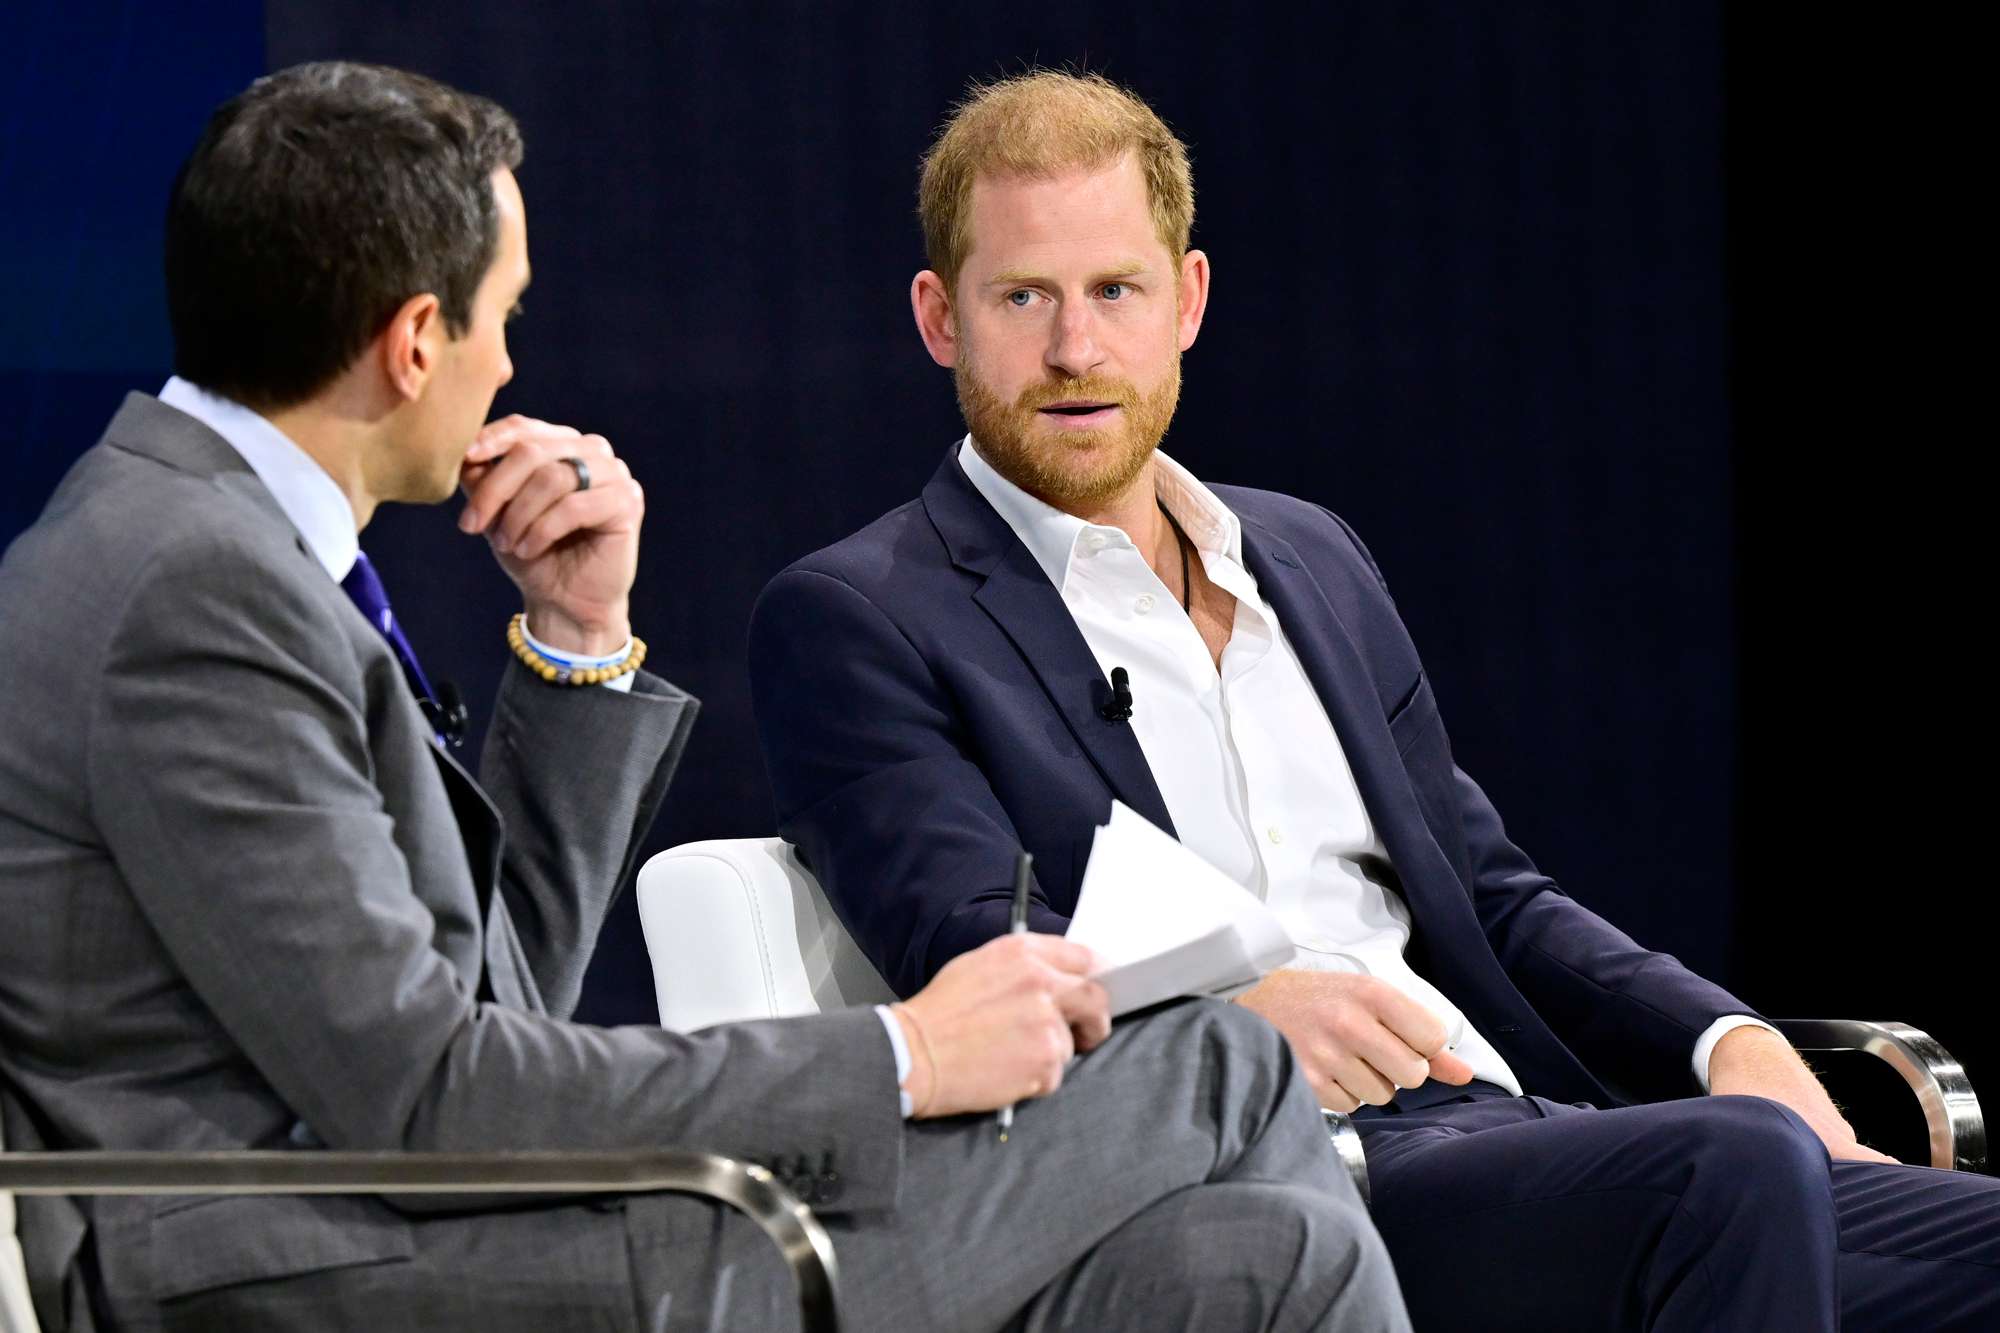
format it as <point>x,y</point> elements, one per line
<point>1470,292</point>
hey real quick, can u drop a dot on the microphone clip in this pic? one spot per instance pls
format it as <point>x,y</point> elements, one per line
<point>1119,707</point>
<point>447,714</point>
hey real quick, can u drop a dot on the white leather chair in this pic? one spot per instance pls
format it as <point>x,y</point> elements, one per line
<point>736,928</point>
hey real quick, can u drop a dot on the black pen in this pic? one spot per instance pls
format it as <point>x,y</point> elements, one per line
<point>1017,924</point>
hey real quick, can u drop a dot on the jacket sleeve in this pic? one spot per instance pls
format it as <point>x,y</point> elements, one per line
<point>230,776</point>
<point>577,775</point>
<point>866,752</point>
<point>1631,1014</point>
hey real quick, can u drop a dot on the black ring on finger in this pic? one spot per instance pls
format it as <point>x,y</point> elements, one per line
<point>582,472</point>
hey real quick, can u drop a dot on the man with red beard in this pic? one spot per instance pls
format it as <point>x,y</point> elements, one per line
<point>934,694</point>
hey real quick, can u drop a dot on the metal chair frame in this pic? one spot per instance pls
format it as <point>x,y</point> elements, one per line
<point>749,1189</point>
<point>1951,1111</point>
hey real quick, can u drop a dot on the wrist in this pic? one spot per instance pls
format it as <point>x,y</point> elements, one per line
<point>1752,1059</point>
<point>593,636</point>
<point>922,1081</point>
<point>1753,1043</point>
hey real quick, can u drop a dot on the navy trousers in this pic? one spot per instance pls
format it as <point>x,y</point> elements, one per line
<point>1506,1212</point>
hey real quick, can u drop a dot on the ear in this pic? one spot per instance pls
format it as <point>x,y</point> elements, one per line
<point>930,302</point>
<point>1194,295</point>
<point>413,344</point>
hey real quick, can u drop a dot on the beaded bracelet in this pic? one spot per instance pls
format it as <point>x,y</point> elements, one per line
<point>561,673</point>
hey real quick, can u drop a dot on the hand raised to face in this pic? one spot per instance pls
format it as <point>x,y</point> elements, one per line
<point>571,548</point>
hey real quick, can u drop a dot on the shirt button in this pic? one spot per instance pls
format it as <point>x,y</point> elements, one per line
<point>1275,834</point>
<point>1144,604</point>
<point>1093,541</point>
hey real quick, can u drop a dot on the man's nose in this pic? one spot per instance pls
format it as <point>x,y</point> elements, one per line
<point>1074,350</point>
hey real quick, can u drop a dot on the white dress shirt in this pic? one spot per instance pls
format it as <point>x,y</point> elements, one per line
<point>1245,756</point>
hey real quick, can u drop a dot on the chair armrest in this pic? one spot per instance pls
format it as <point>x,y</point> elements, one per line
<point>1957,1127</point>
<point>751,1190</point>
<point>1347,1146</point>
<point>737,929</point>
<point>718,918</point>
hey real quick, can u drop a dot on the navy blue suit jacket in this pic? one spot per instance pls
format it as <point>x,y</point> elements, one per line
<point>927,705</point>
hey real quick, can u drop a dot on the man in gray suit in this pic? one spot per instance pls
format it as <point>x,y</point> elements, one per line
<point>252,900</point>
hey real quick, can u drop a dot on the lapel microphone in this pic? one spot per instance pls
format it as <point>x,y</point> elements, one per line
<point>1119,709</point>
<point>448,715</point>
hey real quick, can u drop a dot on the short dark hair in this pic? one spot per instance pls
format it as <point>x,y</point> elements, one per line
<point>317,202</point>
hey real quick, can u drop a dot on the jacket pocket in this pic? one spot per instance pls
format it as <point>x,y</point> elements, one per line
<point>206,1243</point>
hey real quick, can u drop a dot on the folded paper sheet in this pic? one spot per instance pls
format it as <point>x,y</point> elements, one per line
<point>1164,922</point>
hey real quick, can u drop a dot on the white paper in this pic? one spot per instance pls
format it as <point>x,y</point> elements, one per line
<point>1163,922</point>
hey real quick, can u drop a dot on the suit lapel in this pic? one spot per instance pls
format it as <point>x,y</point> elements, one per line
<point>1029,611</point>
<point>1334,664</point>
<point>478,822</point>
<point>484,836</point>
<point>1463,964</point>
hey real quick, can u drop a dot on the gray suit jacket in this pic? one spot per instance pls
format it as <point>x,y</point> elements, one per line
<point>247,903</point>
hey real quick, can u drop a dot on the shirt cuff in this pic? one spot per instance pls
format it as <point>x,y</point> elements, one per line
<point>1704,1049</point>
<point>901,1047</point>
<point>623,684</point>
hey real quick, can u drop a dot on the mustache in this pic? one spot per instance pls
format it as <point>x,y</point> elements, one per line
<point>1088,388</point>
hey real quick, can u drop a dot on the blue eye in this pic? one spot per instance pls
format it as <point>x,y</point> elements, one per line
<point>1112,291</point>
<point>1020,299</point>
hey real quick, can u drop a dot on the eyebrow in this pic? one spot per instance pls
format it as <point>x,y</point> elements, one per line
<point>1009,277</point>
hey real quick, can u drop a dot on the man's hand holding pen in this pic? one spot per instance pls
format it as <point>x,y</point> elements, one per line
<point>999,1024</point>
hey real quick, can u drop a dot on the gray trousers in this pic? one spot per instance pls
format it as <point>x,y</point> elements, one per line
<point>1180,1179</point>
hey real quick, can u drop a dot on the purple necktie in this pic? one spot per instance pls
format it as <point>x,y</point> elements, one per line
<point>364,588</point>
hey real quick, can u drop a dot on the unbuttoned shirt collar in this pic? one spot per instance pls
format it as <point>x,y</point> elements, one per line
<point>302,488</point>
<point>1052,536</point>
